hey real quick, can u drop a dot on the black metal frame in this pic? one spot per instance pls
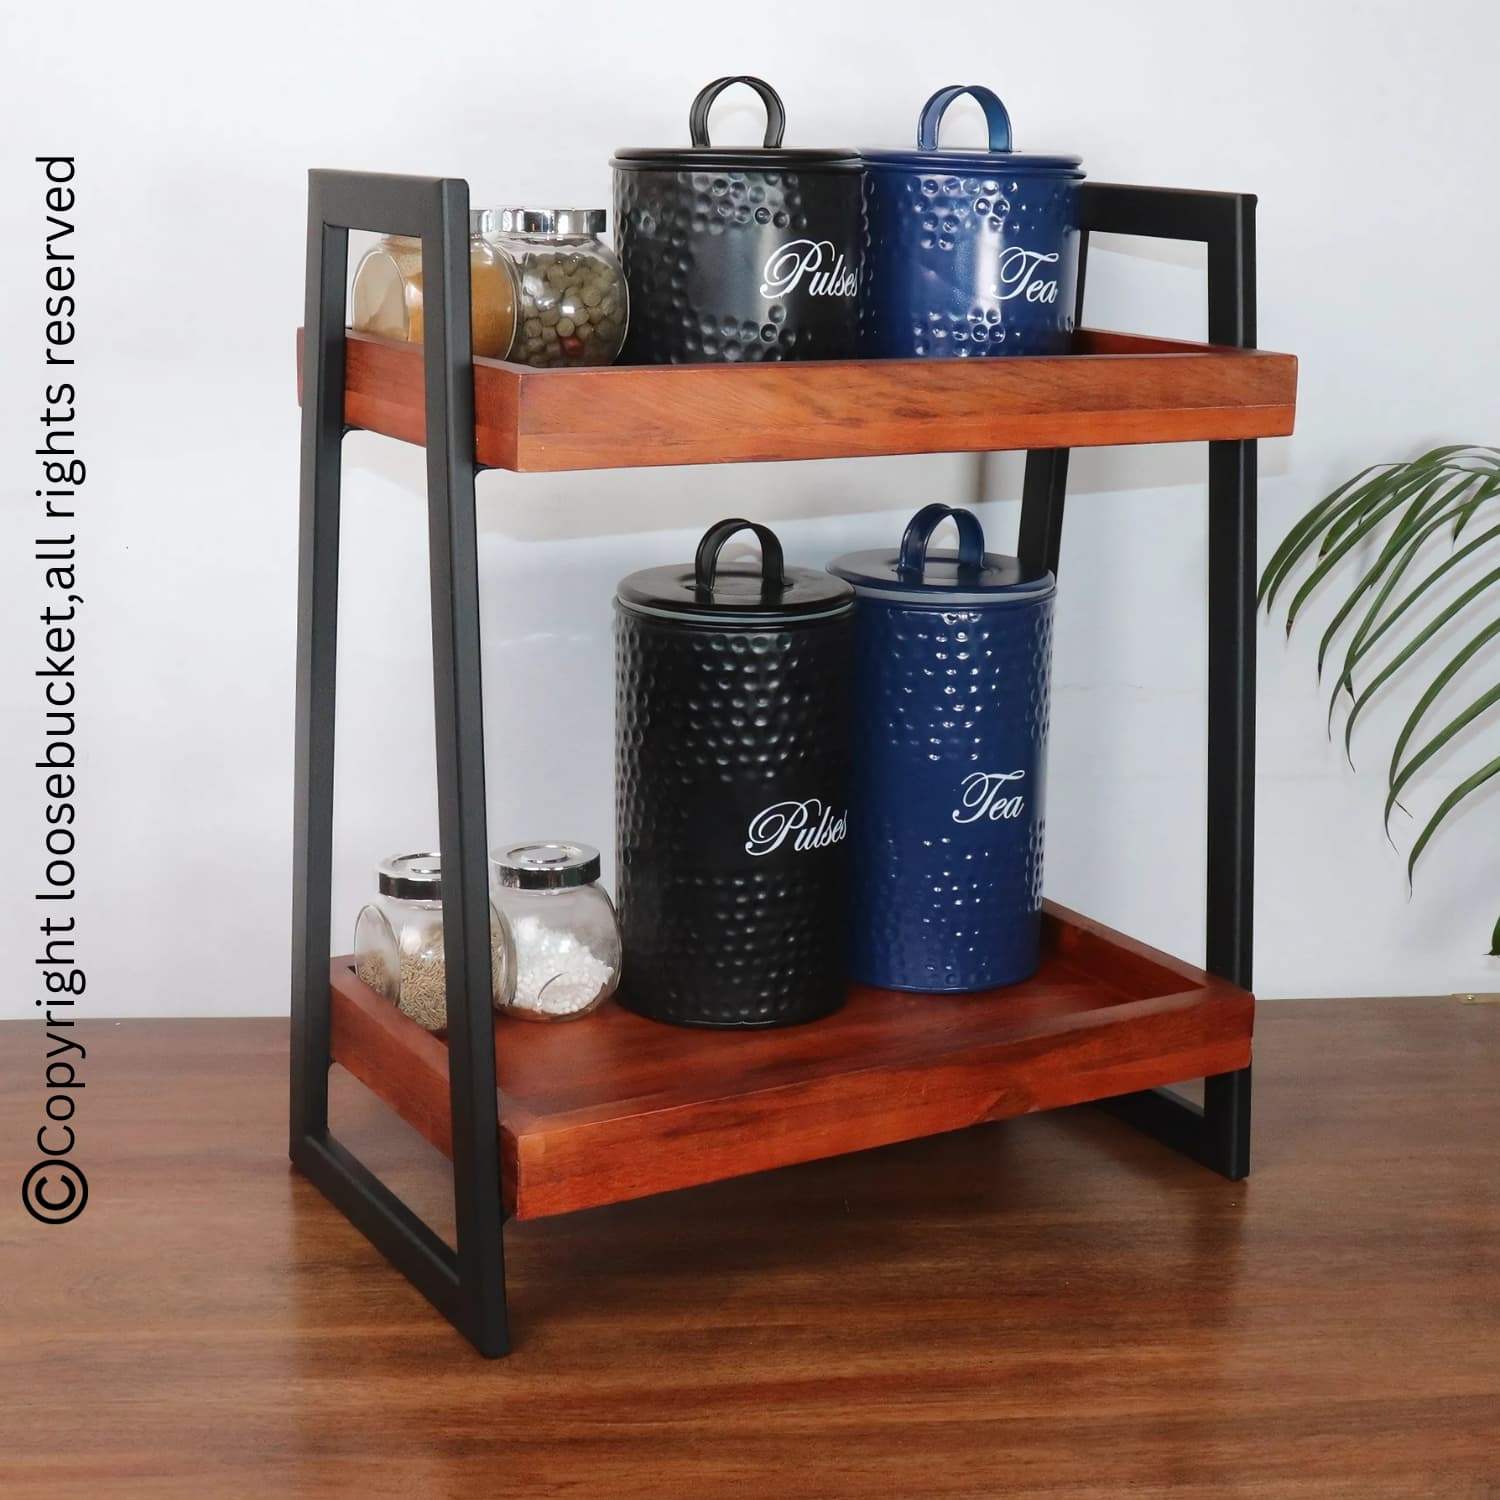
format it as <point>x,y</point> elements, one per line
<point>468,1284</point>
<point>1217,1133</point>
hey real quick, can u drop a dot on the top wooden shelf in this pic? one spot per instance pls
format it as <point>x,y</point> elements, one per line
<point>1113,388</point>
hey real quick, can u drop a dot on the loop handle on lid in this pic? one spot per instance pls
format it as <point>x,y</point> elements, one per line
<point>995,115</point>
<point>912,563</point>
<point>775,110</point>
<point>706,564</point>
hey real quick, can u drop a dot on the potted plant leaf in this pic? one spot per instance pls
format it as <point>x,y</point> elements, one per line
<point>1403,537</point>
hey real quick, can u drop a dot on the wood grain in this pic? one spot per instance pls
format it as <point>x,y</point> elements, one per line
<point>1114,388</point>
<point>614,1106</point>
<point>1049,1306</point>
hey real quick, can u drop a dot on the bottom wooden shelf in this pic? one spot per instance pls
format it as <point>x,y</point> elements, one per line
<point>614,1106</point>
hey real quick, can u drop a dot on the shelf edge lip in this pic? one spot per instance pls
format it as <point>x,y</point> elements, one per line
<point>555,1194</point>
<point>1175,349</point>
<point>1281,423</point>
<point>1119,1012</point>
<point>1179,349</point>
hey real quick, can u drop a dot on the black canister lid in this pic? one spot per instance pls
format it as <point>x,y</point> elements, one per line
<point>703,591</point>
<point>702,156</point>
<point>968,576</point>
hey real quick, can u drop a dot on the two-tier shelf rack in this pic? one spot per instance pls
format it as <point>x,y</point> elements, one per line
<point>614,1106</point>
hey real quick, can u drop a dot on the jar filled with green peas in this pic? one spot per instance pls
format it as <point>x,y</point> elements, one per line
<point>572,305</point>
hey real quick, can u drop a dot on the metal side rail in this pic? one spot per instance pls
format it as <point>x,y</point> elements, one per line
<point>466,1285</point>
<point>1218,1134</point>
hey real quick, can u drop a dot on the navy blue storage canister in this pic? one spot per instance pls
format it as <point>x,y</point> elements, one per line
<point>946,810</point>
<point>968,253</point>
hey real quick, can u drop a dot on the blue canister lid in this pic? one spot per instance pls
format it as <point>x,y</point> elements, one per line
<point>998,159</point>
<point>912,574</point>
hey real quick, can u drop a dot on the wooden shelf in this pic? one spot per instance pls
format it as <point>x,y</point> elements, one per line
<point>615,1106</point>
<point>1113,388</point>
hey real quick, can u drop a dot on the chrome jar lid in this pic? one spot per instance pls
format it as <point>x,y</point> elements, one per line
<point>567,221</point>
<point>412,877</point>
<point>548,865</point>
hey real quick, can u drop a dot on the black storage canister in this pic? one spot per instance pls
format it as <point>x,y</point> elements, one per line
<point>739,253</point>
<point>731,771</point>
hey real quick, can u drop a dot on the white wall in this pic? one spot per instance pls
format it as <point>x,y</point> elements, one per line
<point>1367,129</point>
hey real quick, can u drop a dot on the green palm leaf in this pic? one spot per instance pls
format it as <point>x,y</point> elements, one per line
<point>1378,499</point>
<point>1431,629</point>
<point>1446,806</point>
<point>1420,757</point>
<point>1486,491</point>
<point>1377,529</point>
<point>1405,540</point>
<point>1330,557</point>
<point>1366,638</point>
<point>1347,504</point>
<point>1367,630</point>
<point>1424,477</point>
<point>1429,697</point>
<point>1326,514</point>
<point>1285,556</point>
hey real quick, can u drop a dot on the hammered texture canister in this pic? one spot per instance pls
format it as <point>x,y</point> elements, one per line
<point>951,695</point>
<point>968,254</point>
<point>731,786</point>
<point>745,253</point>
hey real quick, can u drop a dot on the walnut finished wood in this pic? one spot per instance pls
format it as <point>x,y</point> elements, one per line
<point>1055,1306</point>
<point>615,1107</point>
<point>1114,388</point>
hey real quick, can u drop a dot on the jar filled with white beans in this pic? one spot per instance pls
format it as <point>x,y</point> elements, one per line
<point>572,304</point>
<point>567,940</point>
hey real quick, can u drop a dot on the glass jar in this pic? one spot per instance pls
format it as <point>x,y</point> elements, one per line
<point>398,942</point>
<point>573,300</point>
<point>387,296</point>
<point>567,939</point>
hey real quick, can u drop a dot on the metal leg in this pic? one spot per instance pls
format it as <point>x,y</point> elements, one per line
<point>1043,491</point>
<point>462,825</point>
<point>1218,1133</point>
<point>1045,486</point>
<point>467,1286</point>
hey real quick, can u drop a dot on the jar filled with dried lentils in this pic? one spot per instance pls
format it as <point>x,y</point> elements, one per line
<point>572,305</point>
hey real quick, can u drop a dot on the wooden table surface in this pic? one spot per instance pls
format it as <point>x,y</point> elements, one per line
<point>1049,1306</point>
